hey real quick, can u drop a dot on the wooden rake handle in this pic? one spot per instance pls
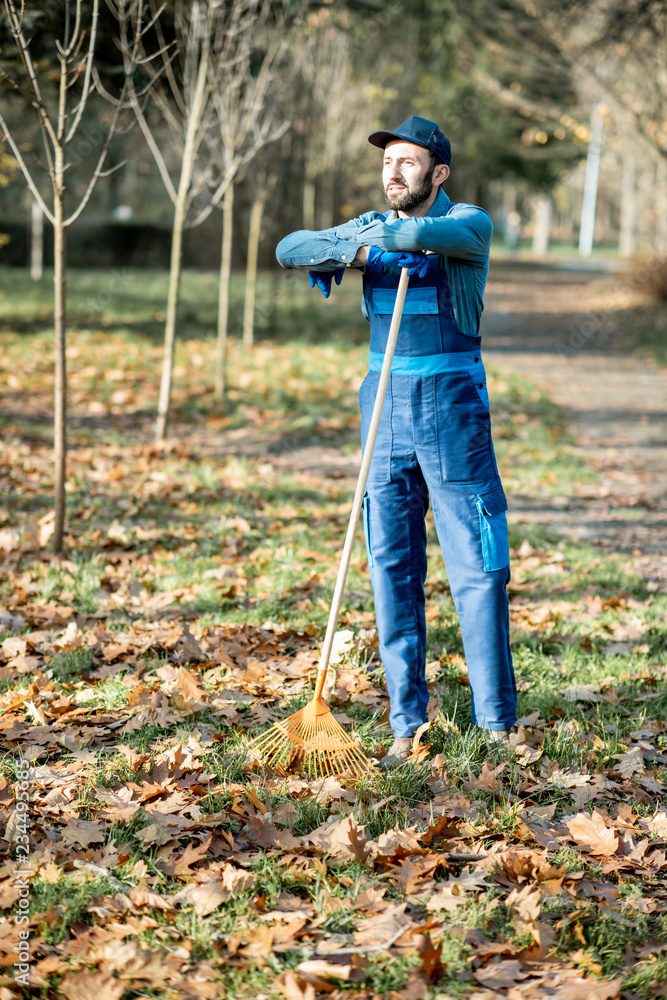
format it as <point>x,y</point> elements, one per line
<point>346,554</point>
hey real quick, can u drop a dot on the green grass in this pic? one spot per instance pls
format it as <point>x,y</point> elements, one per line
<point>647,336</point>
<point>70,665</point>
<point>69,897</point>
<point>216,529</point>
<point>185,513</point>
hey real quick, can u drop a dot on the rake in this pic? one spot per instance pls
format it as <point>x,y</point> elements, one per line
<point>311,740</point>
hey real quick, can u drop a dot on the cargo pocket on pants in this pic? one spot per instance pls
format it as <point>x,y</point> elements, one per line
<point>493,529</point>
<point>368,534</point>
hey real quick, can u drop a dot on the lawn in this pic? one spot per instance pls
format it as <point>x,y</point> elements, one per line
<point>184,617</point>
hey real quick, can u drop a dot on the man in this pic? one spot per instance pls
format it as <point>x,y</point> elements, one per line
<point>434,439</point>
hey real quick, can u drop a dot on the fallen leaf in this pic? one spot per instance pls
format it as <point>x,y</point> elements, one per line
<point>411,871</point>
<point>191,856</point>
<point>525,903</point>
<point>415,988</point>
<point>483,947</point>
<point>265,834</point>
<point>204,897</point>
<point>381,928</point>
<point>341,839</point>
<point>143,895</point>
<point>236,879</point>
<point>501,974</point>
<point>330,789</point>
<point>189,649</point>
<point>583,692</point>
<point>592,834</point>
<point>658,825</point>
<point>258,943</point>
<point>588,989</point>
<point>395,844</point>
<point>331,970</point>
<point>487,780</point>
<point>84,985</point>
<point>293,987</point>
<point>84,832</point>
<point>453,891</point>
<point>189,689</point>
<point>630,763</point>
<point>343,642</point>
<point>430,958</point>
<point>448,899</point>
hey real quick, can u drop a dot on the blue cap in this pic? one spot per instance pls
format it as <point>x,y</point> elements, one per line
<point>420,131</point>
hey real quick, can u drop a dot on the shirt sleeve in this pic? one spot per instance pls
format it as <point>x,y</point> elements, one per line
<point>326,249</point>
<point>464,233</point>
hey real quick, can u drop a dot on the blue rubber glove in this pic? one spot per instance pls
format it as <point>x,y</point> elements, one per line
<point>323,280</point>
<point>415,261</point>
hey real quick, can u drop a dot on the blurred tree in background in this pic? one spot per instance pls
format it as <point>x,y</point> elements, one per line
<point>511,82</point>
<point>203,104</point>
<point>486,71</point>
<point>491,74</point>
<point>59,85</point>
<point>508,81</point>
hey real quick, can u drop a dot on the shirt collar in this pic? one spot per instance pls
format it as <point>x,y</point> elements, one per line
<point>440,206</point>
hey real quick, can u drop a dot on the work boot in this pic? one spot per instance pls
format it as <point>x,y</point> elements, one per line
<point>498,737</point>
<point>398,753</point>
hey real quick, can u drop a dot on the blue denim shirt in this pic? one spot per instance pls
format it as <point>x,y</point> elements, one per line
<point>462,233</point>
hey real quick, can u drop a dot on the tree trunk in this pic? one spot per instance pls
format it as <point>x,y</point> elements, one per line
<point>661,207</point>
<point>589,199</point>
<point>309,180</point>
<point>332,144</point>
<point>164,402</point>
<point>60,388</point>
<point>626,240</point>
<point>274,297</point>
<point>571,211</point>
<point>542,224</point>
<point>251,264</point>
<point>180,211</point>
<point>223,291</point>
<point>327,198</point>
<point>510,216</point>
<point>36,240</point>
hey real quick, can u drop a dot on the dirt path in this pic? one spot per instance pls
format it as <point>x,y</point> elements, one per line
<point>560,328</point>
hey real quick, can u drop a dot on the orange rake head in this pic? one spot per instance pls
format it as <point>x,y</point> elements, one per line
<point>312,742</point>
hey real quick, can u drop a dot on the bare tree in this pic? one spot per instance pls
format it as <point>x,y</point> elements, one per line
<point>265,183</point>
<point>336,113</point>
<point>179,77</point>
<point>616,51</point>
<point>326,71</point>
<point>36,241</point>
<point>619,51</point>
<point>186,85</point>
<point>249,116</point>
<point>59,111</point>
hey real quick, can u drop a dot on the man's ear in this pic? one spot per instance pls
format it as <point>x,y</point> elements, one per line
<point>440,174</point>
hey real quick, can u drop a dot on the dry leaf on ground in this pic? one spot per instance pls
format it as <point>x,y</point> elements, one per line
<point>593,835</point>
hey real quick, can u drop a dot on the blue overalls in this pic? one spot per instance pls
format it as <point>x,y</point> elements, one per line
<point>435,442</point>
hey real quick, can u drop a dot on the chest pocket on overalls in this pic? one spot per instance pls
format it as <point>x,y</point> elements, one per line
<point>419,332</point>
<point>493,529</point>
<point>418,301</point>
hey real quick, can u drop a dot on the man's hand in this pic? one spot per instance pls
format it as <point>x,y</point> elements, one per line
<point>323,280</point>
<point>415,261</point>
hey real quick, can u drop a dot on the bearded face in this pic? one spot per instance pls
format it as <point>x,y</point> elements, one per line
<point>403,193</point>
